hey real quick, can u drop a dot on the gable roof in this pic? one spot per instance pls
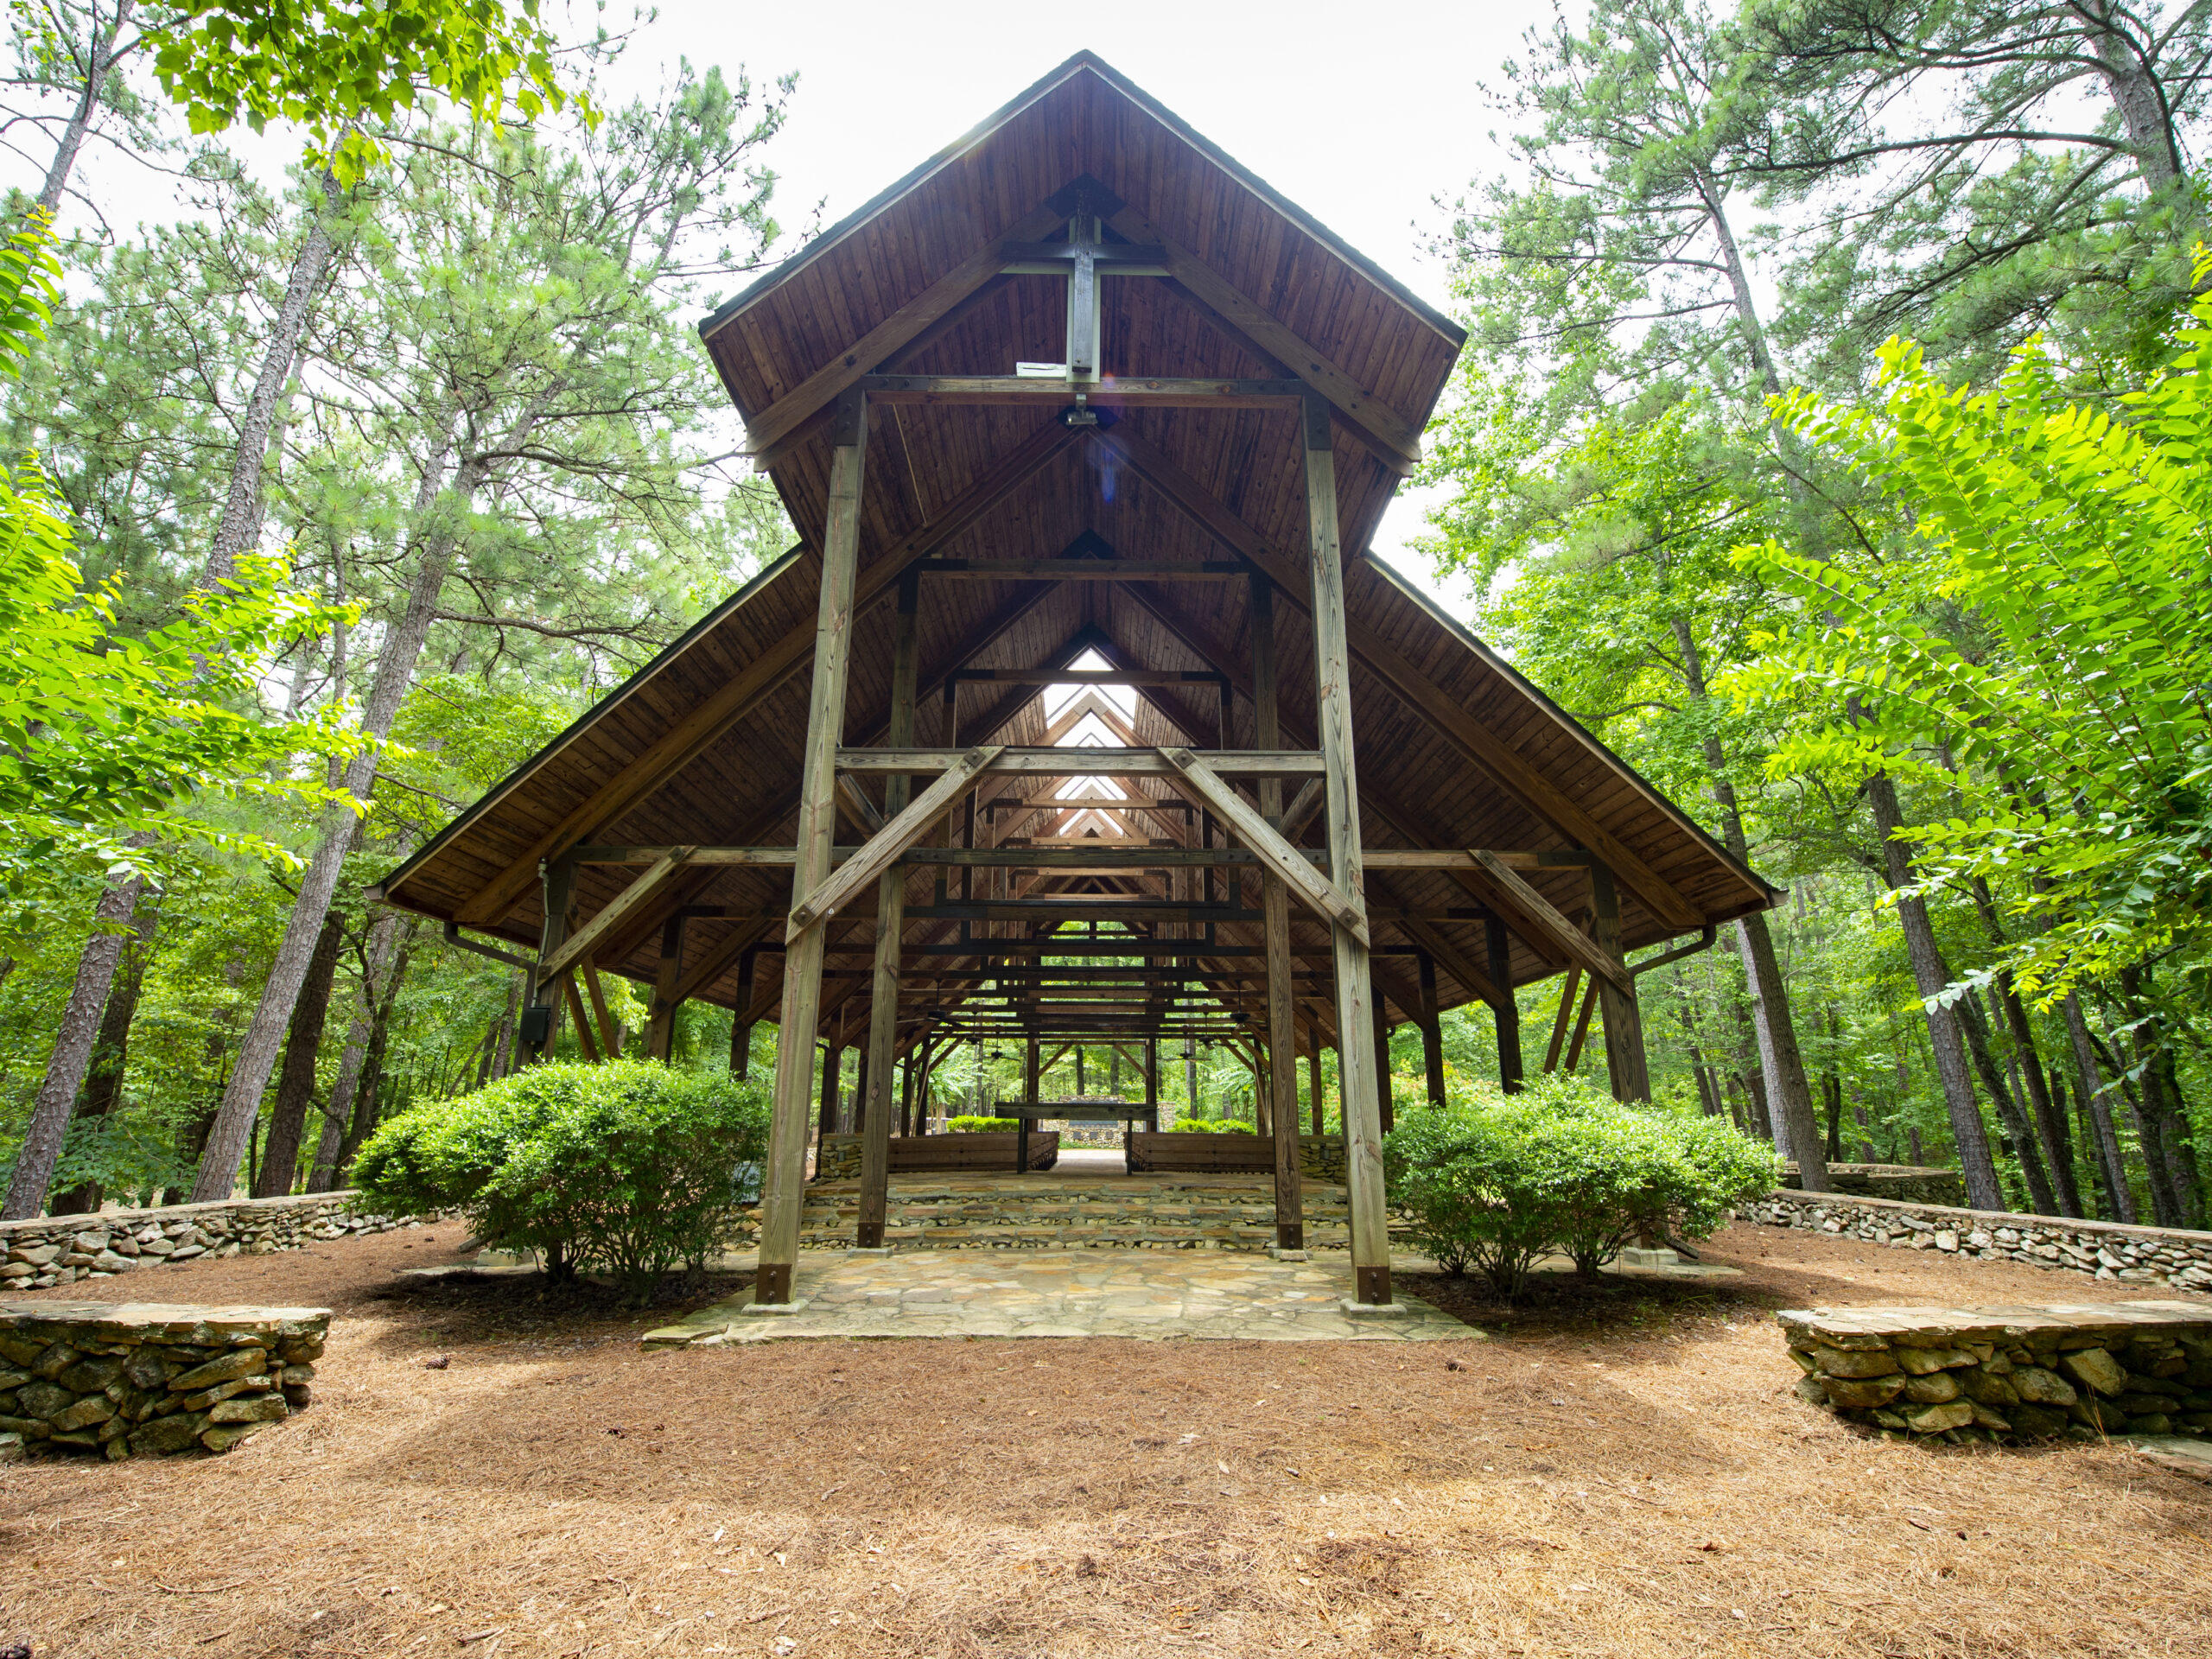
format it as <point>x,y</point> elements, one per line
<point>703,746</point>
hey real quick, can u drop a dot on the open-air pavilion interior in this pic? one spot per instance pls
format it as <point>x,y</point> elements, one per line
<point>1079,712</point>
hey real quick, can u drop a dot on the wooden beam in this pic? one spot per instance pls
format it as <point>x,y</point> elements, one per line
<point>1563,932</point>
<point>883,848</point>
<point>1498,943</point>
<point>749,933</point>
<point>1085,570</point>
<point>1086,676</point>
<point>1438,946</point>
<point>660,1023</point>
<point>1316,890</point>
<point>1364,1084</point>
<point>858,360</point>
<point>1394,437</point>
<point>704,726</point>
<point>1394,814</point>
<point>584,1042</point>
<point>858,807</point>
<point>890,927</point>
<point>783,1185</point>
<point>1406,681</point>
<point>663,871</point>
<point>1567,988</point>
<point>1626,1068</point>
<point>610,1034</point>
<point>970,390</point>
<point>1087,763</point>
<point>1274,900</point>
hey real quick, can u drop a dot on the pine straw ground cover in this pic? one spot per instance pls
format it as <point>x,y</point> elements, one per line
<point>1624,1473</point>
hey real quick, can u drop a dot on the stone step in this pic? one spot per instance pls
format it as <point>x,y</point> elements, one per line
<point>1072,1212</point>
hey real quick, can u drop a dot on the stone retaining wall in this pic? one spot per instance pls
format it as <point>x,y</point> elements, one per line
<point>120,1379</point>
<point>2009,1373</point>
<point>2105,1249</point>
<point>60,1249</point>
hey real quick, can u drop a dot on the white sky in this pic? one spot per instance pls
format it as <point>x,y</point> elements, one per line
<point>1363,127</point>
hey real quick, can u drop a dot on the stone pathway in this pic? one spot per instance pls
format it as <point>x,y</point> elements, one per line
<point>1146,1294</point>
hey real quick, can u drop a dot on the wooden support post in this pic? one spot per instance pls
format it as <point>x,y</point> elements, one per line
<point>1559,1022</point>
<point>1151,1084</point>
<point>610,1034</point>
<point>1626,1069</point>
<point>1432,1031</point>
<point>559,888</point>
<point>906,1094</point>
<point>660,1025</point>
<point>1029,1080</point>
<point>1505,1011</point>
<point>1275,904</point>
<point>783,1196</point>
<point>833,1063</point>
<point>1386,1101</point>
<point>890,923</point>
<point>741,1029</point>
<point>1314,1076</point>
<point>585,1043</point>
<point>1581,1027</point>
<point>1362,1112</point>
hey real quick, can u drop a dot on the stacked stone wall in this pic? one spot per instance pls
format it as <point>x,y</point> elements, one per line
<point>2077,1371</point>
<point>2179,1258</point>
<point>60,1249</point>
<point>125,1378</point>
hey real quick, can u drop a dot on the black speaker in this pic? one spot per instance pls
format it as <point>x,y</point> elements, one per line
<point>535,1025</point>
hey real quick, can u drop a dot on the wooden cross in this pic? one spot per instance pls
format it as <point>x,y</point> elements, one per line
<point>1082,258</point>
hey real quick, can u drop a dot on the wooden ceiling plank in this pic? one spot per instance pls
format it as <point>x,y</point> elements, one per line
<point>812,395</point>
<point>706,725</point>
<point>1537,792</point>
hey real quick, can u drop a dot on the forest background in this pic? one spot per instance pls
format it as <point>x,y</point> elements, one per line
<point>445,370</point>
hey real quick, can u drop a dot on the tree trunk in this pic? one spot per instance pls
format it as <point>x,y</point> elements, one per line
<point>111,1047</point>
<point>366,1099</point>
<point>2120,1197</point>
<point>2049,1119</point>
<point>99,61</point>
<point>103,1089</point>
<point>1832,1087</point>
<point>2160,1125</point>
<point>1975,1025</point>
<point>1797,1124</point>
<point>280,1159</point>
<point>402,649</point>
<point>1932,977</point>
<point>72,1050</point>
<point>239,528</point>
<point>338,1113</point>
<point>2136,95</point>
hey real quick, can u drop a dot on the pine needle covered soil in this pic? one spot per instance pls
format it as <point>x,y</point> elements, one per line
<point>489,1470</point>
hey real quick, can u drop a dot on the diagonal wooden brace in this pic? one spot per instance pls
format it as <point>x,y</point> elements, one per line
<point>1571,939</point>
<point>1316,890</point>
<point>888,845</point>
<point>587,938</point>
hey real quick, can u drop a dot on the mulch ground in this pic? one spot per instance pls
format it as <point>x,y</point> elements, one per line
<point>1618,1472</point>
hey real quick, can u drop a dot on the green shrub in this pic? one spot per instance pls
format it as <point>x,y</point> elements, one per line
<point>1494,1182</point>
<point>631,1168</point>
<point>1215,1126</point>
<point>982,1125</point>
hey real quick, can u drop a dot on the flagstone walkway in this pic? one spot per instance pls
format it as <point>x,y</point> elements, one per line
<point>1146,1294</point>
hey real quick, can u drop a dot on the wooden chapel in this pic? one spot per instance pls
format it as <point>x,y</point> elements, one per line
<point>1080,407</point>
